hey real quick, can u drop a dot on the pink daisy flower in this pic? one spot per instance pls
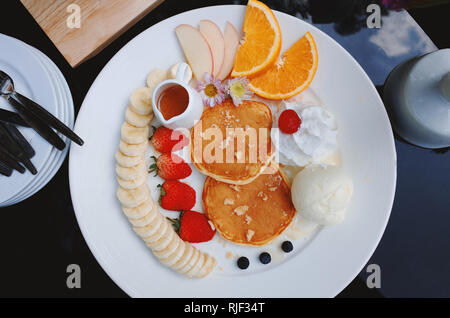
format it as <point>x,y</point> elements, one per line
<point>211,90</point>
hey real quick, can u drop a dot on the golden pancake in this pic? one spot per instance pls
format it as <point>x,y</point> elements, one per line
<point>250,214</point>
<point>232,144</point>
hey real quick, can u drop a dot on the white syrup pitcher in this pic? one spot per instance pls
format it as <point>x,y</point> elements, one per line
<point>194,107</point>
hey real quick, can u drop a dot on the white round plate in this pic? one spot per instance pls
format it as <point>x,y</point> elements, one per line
<point>321,268</point>
<point>65,113</point>
<point>31,79</point>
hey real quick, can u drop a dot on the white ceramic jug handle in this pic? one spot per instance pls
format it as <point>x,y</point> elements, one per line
<point>183,73</point>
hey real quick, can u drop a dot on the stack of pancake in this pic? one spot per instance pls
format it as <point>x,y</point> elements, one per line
<point>245,195</point>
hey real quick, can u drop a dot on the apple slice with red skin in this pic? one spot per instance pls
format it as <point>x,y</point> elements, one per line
<point>196,50</point>
<point>231,38</point>
<point>214,37</point>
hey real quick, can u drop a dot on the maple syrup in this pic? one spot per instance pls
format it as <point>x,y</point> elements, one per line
<point>173,101</point>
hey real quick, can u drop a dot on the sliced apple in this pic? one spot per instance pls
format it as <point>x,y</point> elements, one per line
<point>214,37</point>
<point>231,39</point>
<point>196,50</point>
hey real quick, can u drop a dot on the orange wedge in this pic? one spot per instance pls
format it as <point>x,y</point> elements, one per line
<point>262,41</point>
<point>291,74</point>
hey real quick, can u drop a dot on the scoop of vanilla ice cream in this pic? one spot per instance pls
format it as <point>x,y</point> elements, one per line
<point>322,193</point>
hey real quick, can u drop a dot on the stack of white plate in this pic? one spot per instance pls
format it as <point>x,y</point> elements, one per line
<point>38,78</point>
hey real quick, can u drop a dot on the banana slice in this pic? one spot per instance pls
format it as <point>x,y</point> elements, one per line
<point>131,198</point>
<point>175,256</point>
<point>133,150</point>
<point>155,77</point>
<point>185,258</point>
<point>191,262</point>
<point>169,250</point>
<point>136,119</point>
<point>134,135</point>
<point>207,268</point>
<point>151,228</point>
<point>174,69</point>
<point>134,183</point>
<point>196,268</point>
<point>144,221</point>
<point>141,210</point>
<point>141,101</point>
<point>128,161</point>
<point>163,242</point>
<point>160,231</point>
<point>132,173</point>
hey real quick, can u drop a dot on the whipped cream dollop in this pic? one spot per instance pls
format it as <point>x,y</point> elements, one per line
<point>315,139</point>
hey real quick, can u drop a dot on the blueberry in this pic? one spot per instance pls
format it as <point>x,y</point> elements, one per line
<point>243,262</point>
<point>287,246</point>
<point>265,258</point>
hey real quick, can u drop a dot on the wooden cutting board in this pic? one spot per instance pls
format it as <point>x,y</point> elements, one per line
<point>82,28</point>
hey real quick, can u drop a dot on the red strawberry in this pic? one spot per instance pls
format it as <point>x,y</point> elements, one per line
<point>193,227</point>
<point>176,196</point>
<point>168,140</point>
<point>170,166</point>
<point>289,122</point>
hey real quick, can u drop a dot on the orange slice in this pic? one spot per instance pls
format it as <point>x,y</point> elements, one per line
<point>262,41</point>
<point>291,74</point>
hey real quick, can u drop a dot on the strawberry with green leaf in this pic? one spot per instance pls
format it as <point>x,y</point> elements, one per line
<point>170,166</point>
<point>176,196</point>
<point>168,140</point>
<point>193,227</point>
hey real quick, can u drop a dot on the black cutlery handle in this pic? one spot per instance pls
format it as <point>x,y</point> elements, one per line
<point>5,169</point>
<point>46,116</point>
<point>14,148</point>
<point>37,124</point>
<point>10,117</point>
<point>9,160</point>
<point>17,136</point>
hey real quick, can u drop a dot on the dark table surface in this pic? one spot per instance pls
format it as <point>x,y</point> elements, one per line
<point>40,237</point>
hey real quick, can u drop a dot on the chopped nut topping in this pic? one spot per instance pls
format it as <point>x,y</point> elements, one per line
<point>235,187</point>
<point>224,143</point>
<point>250,234</point>
<point>241,209</point>
<point>228,201</point>
<point>248,219</point>
<point>272,188</point>
<point>262,195</point>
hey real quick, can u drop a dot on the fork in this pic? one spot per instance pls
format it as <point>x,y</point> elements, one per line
<point>33,113</point>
